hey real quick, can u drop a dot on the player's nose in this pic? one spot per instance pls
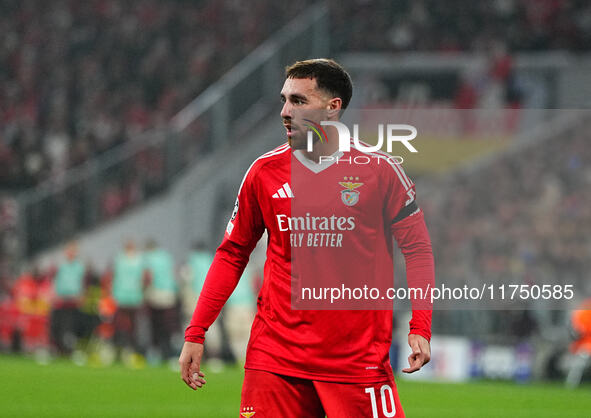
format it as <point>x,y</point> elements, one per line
<point>286,111</point>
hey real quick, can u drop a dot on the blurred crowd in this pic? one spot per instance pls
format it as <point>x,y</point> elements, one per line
<point>78,78</point>
<point>135,311</point>
<point>460,25</point>
<point>9,234</point>
<point>523,219</point>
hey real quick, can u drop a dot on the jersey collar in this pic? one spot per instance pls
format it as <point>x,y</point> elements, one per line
<point>314,166</point>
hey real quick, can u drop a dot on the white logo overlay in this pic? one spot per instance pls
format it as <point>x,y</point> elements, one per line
<point>345,137</point>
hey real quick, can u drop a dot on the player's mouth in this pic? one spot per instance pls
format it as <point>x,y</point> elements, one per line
<point>289,129</point>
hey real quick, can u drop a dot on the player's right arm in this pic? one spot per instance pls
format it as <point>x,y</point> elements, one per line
<point>242,234</point>
<point>190,362</point>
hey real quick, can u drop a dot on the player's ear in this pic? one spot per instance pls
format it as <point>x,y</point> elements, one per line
<point>334,107</point>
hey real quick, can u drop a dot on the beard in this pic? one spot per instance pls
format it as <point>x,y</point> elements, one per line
<point>298,140</point>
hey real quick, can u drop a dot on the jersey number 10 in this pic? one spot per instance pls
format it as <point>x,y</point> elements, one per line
<point>374,406</point>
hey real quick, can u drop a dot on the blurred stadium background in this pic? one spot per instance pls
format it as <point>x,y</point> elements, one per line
<point>134,122</point>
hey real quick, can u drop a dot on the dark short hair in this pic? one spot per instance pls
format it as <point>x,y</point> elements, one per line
<point>330,76</point>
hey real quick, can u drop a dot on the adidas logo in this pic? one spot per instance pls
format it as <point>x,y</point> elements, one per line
<point>283,192</point>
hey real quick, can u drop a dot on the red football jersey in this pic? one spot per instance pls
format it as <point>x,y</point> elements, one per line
<point>329,225</point>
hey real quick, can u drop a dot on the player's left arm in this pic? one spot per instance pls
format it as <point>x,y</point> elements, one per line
<point>413,239</point>
<point>410,231</point>
<point>420,355</point>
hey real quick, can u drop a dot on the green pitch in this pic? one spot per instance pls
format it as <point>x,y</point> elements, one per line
<point>62,389</point>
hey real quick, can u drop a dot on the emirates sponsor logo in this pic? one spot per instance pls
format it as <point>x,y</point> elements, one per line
<point>315,223</point>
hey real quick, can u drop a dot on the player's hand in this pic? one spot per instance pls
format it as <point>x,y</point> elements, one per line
<point>421,353</point>
<point>190,362</point>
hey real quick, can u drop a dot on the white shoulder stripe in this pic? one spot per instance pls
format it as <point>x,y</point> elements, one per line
<point>396,167</point>
<point>276,151</point>
<point>406,182</point>
<point>279,148</point>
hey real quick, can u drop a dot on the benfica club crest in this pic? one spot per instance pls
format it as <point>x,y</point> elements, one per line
<point>247,412</point>
<point>350,196</point>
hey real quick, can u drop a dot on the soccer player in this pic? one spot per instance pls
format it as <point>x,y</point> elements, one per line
<point>161,297</point>
<point>69,291</point>
<point>581,347</point>
<point>327,220</point>
<point>128,291</point>
<point>194,273</point>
